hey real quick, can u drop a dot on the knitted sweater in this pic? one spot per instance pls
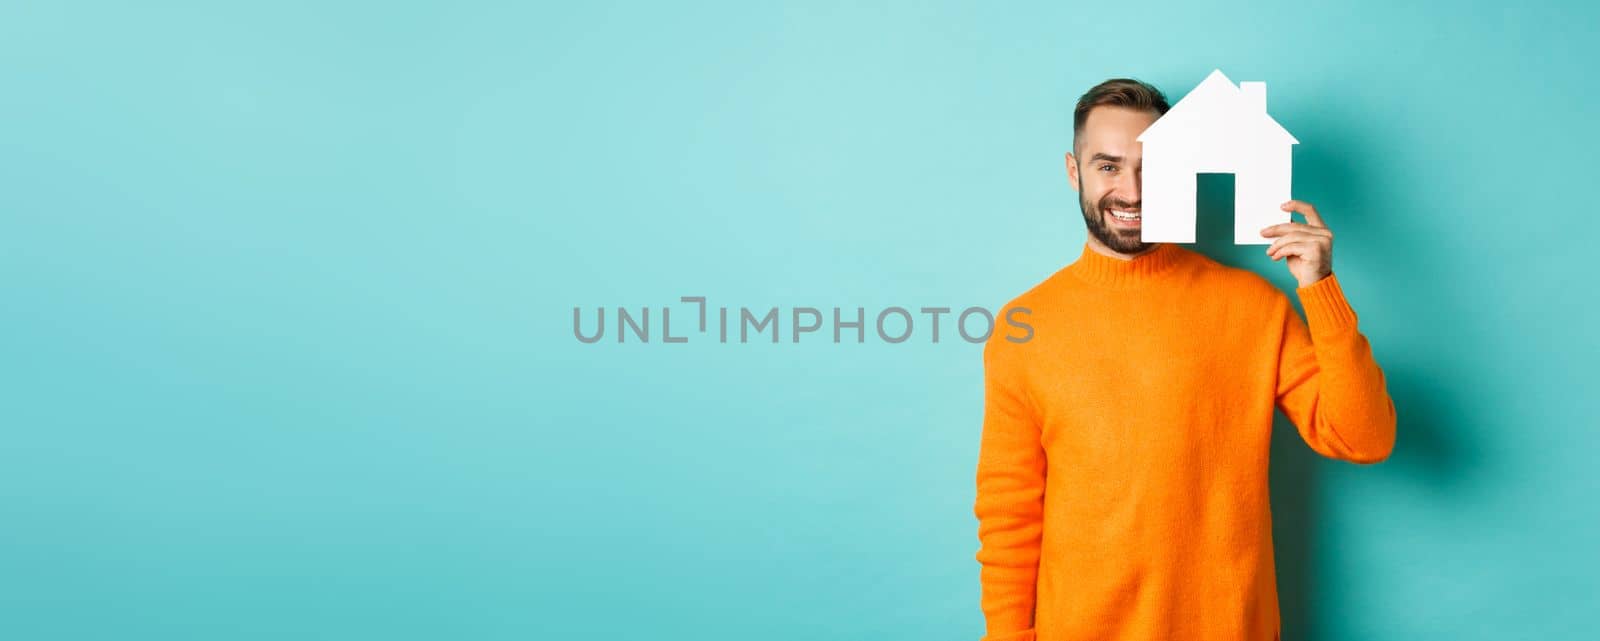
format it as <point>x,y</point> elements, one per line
<point>1122,474</point>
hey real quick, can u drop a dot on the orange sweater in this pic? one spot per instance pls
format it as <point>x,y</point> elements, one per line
<point>1122,474</point>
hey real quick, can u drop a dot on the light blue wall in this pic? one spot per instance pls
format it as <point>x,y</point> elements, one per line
<point>288,287</point>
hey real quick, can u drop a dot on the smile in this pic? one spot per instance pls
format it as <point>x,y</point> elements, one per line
<point>1129,216</point>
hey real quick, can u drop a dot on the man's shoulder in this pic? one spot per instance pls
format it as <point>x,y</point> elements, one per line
<point>1041,289</point>
<point>1043,294</point>
<point>1023,308</point>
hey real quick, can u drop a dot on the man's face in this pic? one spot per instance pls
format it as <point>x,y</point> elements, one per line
<point>1105,171</point>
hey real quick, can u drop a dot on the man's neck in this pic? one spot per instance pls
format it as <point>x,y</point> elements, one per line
<point>1101,248</point>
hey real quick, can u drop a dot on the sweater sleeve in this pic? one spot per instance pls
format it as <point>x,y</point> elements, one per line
<point>1329,384</point>
<point>1010,499</point>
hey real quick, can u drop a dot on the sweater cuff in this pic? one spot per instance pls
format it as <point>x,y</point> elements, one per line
<point>1018,635</point>
<point>1327,310</point>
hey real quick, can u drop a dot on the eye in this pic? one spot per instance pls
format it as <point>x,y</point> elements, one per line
<point>1108,167</point>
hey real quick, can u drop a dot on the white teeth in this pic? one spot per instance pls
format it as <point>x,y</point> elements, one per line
<point>1125,215</point>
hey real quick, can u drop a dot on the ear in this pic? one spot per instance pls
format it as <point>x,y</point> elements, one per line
<point>1072,172</point>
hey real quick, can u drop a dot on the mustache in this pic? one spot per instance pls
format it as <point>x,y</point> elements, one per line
<point>1109,203</point>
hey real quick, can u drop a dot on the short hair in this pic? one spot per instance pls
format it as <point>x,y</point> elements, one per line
<point>1117,92</point>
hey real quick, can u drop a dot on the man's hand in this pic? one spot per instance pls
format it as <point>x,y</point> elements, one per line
<point>1308,245</point>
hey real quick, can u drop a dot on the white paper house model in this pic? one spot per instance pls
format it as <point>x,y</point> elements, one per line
<point>1216,128</point>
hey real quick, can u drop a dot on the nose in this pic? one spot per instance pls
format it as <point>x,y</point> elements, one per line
<point>1129,186</point>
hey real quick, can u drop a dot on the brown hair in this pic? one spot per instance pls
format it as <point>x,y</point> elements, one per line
<point>1117,92</point>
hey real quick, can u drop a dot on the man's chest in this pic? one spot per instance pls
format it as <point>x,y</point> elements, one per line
<point>1144,378</point>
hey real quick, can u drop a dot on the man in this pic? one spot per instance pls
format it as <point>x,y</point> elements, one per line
<point>1122,474</point>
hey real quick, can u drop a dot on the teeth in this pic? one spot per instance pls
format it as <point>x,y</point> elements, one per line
<point>1125,215</point>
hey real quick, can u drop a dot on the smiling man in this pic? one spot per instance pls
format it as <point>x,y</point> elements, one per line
<point>1122,475</point>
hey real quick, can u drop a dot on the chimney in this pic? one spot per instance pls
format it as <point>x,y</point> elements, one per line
<point>1255,95</point>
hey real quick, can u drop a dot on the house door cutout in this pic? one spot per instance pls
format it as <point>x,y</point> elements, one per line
<point>1214,209</point>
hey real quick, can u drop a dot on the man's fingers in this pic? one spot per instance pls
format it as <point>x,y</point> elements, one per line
<point>1281,229</point>
<point>1302,248</point>
<point>1295,248</point>
<point>1294,237</point>
<point>1305,208</point>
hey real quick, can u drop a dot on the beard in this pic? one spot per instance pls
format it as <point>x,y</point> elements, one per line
<point>1125,241</point>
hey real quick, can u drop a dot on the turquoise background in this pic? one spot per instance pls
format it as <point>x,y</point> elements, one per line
<point>288,286</point>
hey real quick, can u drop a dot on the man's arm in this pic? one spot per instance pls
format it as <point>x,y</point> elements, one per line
<point>1329,384</point>
<point>1010,501</point>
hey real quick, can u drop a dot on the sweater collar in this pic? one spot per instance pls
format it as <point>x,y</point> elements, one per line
<point>1098,268</point>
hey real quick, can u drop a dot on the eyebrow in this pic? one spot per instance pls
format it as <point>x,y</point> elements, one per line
<point>1105,156</point>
